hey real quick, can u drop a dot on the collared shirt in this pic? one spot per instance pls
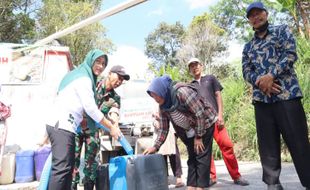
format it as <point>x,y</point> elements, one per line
<point>106,99</point>
<point>200,115</point>
<point>274,54</point>
<point>209,85</point>
<point>71,103</point>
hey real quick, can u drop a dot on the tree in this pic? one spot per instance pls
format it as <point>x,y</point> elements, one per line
<point>57,15</point>
<point>16,24</point>
<point>203,40</point>
<point>300,11</point>
<point>231,15</point>
<point>162,44</point>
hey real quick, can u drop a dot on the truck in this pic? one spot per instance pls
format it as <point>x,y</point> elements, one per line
<point>29,77</point>
<point>136,121</point>
<point>29,82</point>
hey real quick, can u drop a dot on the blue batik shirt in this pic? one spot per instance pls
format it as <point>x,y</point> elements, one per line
<point>274,54</point>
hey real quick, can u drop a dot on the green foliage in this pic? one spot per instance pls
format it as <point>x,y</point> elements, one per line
<point>16,25</point>
<point>239,119</point>
<point>302,67</point>
<point>163,43</point>
<point>231,16</point>
<point>58,15</point>
<point>204,40</point>
<point>174,72</point>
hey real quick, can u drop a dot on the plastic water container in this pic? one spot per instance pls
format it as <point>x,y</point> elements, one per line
<point>40,156</point>
<point>24,166</point>
<point>8,169</point>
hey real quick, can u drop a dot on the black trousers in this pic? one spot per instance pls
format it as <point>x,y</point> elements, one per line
<point>63,144</point>
<point>288,119</point>
<point>175,162</point>
<point>198,174</point>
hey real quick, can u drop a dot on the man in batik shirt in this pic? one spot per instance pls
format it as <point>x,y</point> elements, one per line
<point>268,65</point>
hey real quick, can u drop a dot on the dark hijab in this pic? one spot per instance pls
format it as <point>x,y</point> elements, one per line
<point>161,87</point>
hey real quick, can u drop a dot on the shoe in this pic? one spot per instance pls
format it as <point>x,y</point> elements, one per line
<point>212,182</point>
<point>241,182</point>
<point>275,187</point>
<point>73,186</point>
<point>179,183</point>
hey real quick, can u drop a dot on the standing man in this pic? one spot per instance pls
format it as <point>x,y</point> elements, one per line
<point>210,88</point>
<point>267,64</point>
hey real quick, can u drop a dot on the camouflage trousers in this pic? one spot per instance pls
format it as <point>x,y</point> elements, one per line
<point>92,142</point>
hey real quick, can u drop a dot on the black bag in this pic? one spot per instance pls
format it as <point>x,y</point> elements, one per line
<point>102,180</point>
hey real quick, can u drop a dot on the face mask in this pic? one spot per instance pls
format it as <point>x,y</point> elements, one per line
<point>261,29</point>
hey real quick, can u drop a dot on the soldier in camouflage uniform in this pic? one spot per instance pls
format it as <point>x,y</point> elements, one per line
<point>109,103</point>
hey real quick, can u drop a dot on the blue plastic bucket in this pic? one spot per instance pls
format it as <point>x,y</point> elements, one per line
<point>24,166</point>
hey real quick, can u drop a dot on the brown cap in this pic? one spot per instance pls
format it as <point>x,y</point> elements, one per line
<point>120,70</point>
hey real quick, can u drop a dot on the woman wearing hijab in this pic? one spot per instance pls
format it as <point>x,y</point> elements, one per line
<point>76,95</point>
<point>193,120</point>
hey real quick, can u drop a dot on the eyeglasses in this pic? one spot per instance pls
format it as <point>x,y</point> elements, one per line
<point>100,62</point>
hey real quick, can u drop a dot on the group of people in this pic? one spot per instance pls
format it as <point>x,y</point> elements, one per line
<point>81,102</point>
<point>196,113</point>
<point>194,109</point>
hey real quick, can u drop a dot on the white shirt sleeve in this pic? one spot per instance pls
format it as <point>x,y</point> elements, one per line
<point>86,95</point>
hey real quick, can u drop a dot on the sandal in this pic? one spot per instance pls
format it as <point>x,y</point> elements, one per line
<point>179,184</point>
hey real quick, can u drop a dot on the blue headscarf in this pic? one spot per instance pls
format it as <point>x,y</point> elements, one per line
<point>161,87</point>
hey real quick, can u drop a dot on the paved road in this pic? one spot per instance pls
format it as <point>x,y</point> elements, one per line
<point>249,170</point>
<point>253,173</point>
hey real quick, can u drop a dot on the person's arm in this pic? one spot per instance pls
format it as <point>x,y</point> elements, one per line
<point>248,69</point>
<point>87,99</point>
<point>219,101</point>
<point>287,47</point>
<point>114,115</point>
<point>198,108</point>
<point>162,134</point>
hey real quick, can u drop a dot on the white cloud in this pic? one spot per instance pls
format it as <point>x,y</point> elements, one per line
<point>133,59</point>
<point>194,4</point>
<point>157,12</point>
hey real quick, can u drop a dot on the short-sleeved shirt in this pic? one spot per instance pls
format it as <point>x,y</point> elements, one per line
<point>208,86</point>
<point>274,54</point>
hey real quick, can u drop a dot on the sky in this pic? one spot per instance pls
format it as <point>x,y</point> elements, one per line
<point>128,29</point>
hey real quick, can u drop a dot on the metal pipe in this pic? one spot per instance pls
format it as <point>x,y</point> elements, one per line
<point>90,20</point>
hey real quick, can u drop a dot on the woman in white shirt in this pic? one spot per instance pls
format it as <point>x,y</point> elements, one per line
<point>75,96</point>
